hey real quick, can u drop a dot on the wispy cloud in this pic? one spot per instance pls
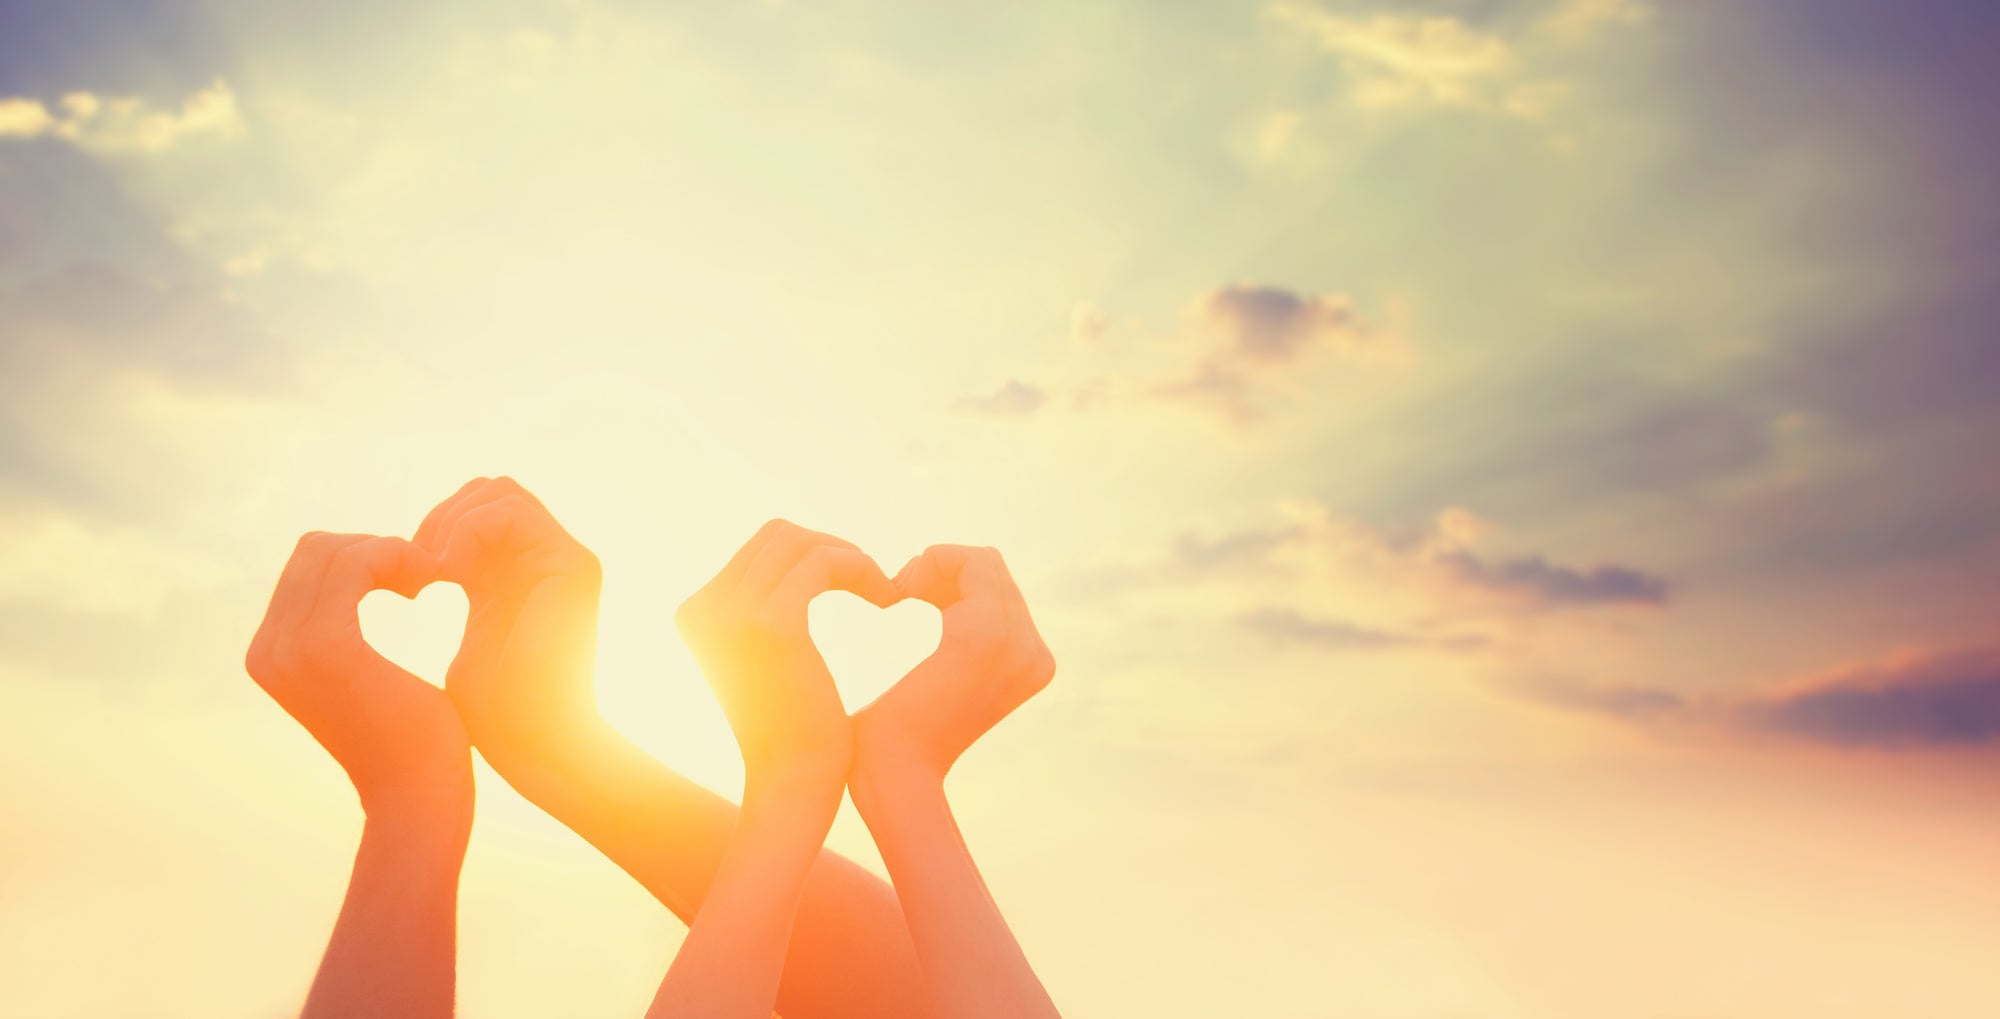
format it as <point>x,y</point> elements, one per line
<point>1914,701</point>
<point>1239,351</point>
<point>1329,634</point>
<point>1441,552</point>
<point>1013,399</point>
<point>120,124</point>
<point>1398,61</point>
<point>1252,334</point>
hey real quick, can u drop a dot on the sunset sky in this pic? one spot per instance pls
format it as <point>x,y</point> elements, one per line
<point>1511,484</point>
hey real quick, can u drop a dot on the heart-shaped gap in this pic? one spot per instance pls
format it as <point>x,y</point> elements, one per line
<point>421,635</point>
<point>868,649</point>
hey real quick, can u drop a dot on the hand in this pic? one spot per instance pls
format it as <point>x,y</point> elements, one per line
<point>397,736</point>
<point>495,539</point>
<point>988,662</point>
<point>747,629</point>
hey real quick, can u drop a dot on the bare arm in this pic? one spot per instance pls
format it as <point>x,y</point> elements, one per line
<point>989,661</point>
<point>393,949</point>
<point>747,628</point>
<point>523,682</point>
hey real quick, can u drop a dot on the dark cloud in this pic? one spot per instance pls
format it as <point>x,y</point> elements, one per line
<point>1943,700</point>
<point>1340,635</point>
<point>1550,584</point>
<point>1271,325</point>
<point>1013,399</point>
<point>1426,550</point>
<point>97,304</point>
<point>1249,335</point>
<point>1633,703</point>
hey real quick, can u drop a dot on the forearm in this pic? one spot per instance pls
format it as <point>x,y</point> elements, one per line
<point>972,964</point>
<point>393,950</point>
<point>735,950</point>
<point>850,954</point>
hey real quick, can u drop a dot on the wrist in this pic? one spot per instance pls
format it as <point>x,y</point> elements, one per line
<point>884,776</point>
<point>886,754</point>
<point>438,809</point>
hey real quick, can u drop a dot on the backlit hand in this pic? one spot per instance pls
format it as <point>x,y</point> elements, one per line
<point>523,670</point>
<point>747,629</point>
<point>396,735</point>
<point>988,662</point>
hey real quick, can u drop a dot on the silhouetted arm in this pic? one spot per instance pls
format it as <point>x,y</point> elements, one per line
<point>989,660</point>
<point>747,628</point>
<point>523,682</point>
<point>393,949</point>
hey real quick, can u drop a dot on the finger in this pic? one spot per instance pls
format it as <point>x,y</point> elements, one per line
<point>305,574</point>
<point>732,571</point>
<point>826,568</point>
<point>780,553</point>
<point>477,532</point>
<point>945,575</point>
<point>1009,592</point>
<point>376,564</point>
<point>430,534</point>
<point>940,576</point>
<point>297,587</point>
<point>478,492</point>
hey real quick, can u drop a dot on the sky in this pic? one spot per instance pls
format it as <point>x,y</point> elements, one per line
<point>1508,483</point>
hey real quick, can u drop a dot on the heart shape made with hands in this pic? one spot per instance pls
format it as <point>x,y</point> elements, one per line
<point>868,649</point>
<point>419,634</point>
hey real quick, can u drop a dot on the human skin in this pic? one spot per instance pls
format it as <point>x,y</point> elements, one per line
<point>523,682</point>
<point>747,629</point>
<point>989,660</point>
<point>393,949</point>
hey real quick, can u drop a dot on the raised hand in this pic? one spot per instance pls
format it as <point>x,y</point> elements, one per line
<point>989,660</point>
<point>747,629</point>
<point>396,735</point>
<point>523,670</point>
<point>393,949</point>
<point>524,682</point>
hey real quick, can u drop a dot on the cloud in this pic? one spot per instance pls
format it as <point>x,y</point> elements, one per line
<point>87,349</point>
<point>1087,326</point>
<point>1549,584</point>
<point>1579,21</point>
<point>1399,61</point>
<point>1240,348</point>
<point>123,123</point>
<point>1012,400</point>
<point>1249,336</point>
<point>1935,700</point>
<point>1438,552</point>
<point>1270,325</point>
<point>1932,700</point>
<point>1288,626</point>
<point>1403,60</point>
<point>1631,702</point>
